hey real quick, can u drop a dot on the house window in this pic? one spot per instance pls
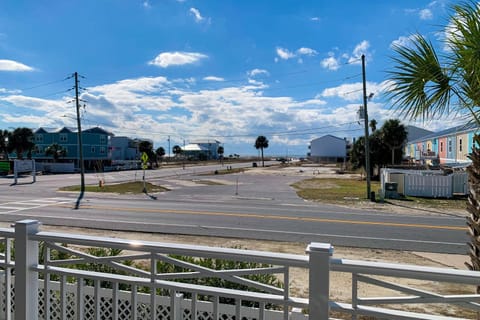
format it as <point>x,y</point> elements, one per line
<point>103,139</point>
<point>102,150</point>
<point>92,150</point>
<point>441,146</point>
<point>63,137</point>
<point>38,150</point>
<point>460,145</point>
<point>39,138</point>
<point>450,146</point>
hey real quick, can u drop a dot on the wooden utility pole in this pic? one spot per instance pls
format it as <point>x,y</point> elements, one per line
<point>367,148</point>
<point>80,145</point>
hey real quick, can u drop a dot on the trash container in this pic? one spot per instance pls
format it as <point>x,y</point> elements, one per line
<point>254,164</point>
<point>372,196</point>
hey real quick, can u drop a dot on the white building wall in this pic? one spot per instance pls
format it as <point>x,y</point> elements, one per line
<point>121,149</point>
<point>328,146</point>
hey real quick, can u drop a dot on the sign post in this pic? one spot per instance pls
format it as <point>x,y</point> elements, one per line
<point>144,166</point>
<point>24,166</point>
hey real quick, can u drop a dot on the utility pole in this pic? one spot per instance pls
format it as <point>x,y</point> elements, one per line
<point>80,145</point>
<point>168,148</point>
<point>367,148</point>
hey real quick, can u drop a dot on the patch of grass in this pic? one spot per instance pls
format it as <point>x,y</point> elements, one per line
<point>333,190</point>
<point>343,191</point>
<point>454,203</point>
<point>120,188</point>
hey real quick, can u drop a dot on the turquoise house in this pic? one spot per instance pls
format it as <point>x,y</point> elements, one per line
<point>95,142</point>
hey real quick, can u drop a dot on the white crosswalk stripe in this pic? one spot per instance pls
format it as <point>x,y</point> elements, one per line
<point>15,206</point>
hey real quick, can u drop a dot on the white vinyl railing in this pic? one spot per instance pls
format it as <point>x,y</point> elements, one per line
<point>55,276</point>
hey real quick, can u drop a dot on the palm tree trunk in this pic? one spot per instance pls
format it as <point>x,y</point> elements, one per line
<point>473,207</point>
<point>263,163</point>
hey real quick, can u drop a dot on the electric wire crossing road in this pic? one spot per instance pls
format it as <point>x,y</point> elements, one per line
<point>16,206</point>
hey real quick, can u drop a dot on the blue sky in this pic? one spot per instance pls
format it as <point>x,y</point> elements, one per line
<point>197,70</point>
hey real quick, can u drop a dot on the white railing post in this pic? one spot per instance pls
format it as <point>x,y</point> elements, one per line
<point>319,280</point>
<point>26,280</point>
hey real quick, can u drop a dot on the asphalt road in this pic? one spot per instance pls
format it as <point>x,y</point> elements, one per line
<point>240,205</point>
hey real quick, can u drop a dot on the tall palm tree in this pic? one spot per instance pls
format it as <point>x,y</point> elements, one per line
<point>177,150</point>
<point>426,84</point>
<point>21,140</point>
<point>261,143</point>
<point>373,125</point>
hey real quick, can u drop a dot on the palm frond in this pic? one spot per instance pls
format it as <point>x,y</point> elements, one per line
<point>421,86</point>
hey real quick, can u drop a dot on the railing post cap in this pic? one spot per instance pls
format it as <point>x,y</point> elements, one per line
<point>317,247</point>
<point>27,222</point>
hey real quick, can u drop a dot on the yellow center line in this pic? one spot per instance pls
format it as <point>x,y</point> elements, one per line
<point>275,217</point>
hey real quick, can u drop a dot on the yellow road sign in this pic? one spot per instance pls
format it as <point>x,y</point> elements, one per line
<point>144,157</point>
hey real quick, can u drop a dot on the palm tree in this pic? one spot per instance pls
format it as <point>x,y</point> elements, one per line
<point>160,153</point>
<point>426,84</point>
<point>373,125</point>
<point>56,151</point>
<point>261,143</point>
<point>176,150</point>
<point>220,152</point>
<point>4,138</point>
<point>20,141</point>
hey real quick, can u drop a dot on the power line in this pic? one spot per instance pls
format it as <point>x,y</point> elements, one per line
<point>42,85</point>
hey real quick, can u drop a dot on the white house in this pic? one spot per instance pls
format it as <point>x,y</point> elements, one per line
<point>328,149</point>
<point>202,149</point>
<point>124,148</point>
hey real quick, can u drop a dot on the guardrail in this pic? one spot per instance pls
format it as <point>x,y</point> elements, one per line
<point>48,279</point>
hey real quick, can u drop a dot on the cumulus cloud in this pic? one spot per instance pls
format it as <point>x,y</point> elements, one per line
<point>402,41</point>
<point>286,54</point>
<point>177,58</point>
<point>306,51</point>
<point>213,78</point>
<point>360,49</point>
<point>157,107</point>
<point>330,63</point>
<point>255,72</point>
<point>196,14</point>
<point>354,91</point>
<point>11,65</point>
<point>426,14</point>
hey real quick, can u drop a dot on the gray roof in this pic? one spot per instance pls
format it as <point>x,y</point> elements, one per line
<point>448,132</point>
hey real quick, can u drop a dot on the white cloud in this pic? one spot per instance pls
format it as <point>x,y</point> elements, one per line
<point>10,65</point>
<point>306,51</point>
<point>330,63</point>
<point>196,14</point>
<point>426,14</point>
<point>360,49</point>
<point>315,19</point>
<point>4,90</point>
<point>167,59</point>
<point>354,91</point>
<point>402,41</point>
<point>284,53</point>
<point>255,72</point>
<point>213,78</point>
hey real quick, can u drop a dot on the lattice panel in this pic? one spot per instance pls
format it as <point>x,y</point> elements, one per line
<point>106,307</point>
<point>124,309</point>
